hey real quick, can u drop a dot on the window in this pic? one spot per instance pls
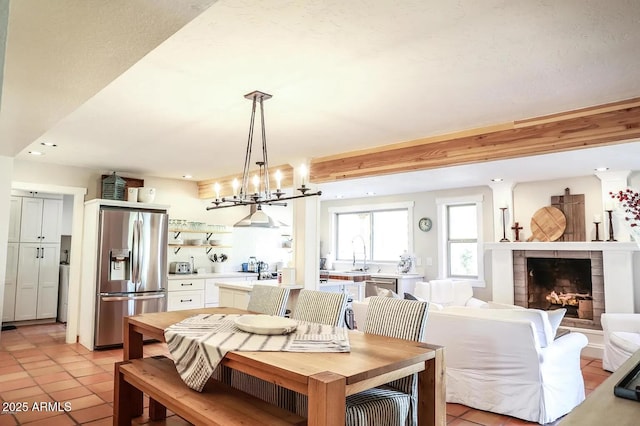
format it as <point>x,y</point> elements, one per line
<point>380,233</point>
<point>460,238</point>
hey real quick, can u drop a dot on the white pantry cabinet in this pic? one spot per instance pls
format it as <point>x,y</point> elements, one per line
<point>10,279</point>
<point>31,290</point>
<point>37,283</point>
<point>41,220</point>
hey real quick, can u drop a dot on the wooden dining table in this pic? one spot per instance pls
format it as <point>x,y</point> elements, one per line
<point>326,378</point>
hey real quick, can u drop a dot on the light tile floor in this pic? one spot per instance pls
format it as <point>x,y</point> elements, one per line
<point>37,367</point>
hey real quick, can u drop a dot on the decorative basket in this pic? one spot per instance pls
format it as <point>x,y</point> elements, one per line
<point>113,187</point>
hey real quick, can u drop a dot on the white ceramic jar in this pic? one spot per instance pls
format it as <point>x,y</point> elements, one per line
<point>146,195</point>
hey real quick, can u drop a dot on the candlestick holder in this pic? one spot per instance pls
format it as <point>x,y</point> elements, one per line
<point>597,224</point>
<point>609,213</point>
<point>504,226</point>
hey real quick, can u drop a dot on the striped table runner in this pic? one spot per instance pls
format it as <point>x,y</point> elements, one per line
<point>198,344</point>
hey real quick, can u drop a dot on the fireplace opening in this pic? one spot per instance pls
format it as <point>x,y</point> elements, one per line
<point>554,283</point>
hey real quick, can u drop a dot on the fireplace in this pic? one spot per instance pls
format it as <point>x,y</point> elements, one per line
<point>561,279</point>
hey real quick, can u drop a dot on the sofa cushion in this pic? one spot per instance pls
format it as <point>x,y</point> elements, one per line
<point>628,341</point>
<point>462,292</point>
<point>385,292</point>
<point>410,296</point>
<point>422,290</point>
<point>555,318</point>
<point>442,292</point>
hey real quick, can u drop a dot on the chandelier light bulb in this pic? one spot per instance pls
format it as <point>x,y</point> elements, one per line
<point>216,187</point>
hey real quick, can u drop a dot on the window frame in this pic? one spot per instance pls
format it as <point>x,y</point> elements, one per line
<point>444,265</point>
<point>370,208</point>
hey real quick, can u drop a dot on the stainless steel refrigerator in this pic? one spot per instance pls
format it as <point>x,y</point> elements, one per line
<point>132,269</point>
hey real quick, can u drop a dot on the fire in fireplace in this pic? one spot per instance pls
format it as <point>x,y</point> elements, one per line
<point>560,283</point>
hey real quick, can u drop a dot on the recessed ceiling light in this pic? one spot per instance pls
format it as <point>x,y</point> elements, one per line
<point>601,169</point>
<point>48,144</point>
<point>187,176</point>
<point>496,180</point>
<point>35,153</point>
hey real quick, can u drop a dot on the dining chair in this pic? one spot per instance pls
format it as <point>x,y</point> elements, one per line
<point>321,307</point>
<point>394,403</point>
<point>268,300</point>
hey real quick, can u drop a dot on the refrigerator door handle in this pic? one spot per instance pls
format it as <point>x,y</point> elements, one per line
<point>140,251</point>
<point>135,268</point>
<point>127,298</point>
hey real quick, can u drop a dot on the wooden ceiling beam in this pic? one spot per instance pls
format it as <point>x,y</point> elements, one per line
<point>608,124</point>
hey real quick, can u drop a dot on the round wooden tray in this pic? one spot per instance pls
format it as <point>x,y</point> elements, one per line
<point>547,224</point>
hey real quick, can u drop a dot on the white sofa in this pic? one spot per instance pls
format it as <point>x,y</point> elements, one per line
<point>439,294</point>
<point>621,338</point>
<point>447,293</point>
<point>506,361</point>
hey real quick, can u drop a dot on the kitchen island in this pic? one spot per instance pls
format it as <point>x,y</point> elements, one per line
<point>235,294</point>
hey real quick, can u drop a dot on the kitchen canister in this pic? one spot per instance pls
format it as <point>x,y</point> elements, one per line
<point>146,195</point>
<point>132,194</point>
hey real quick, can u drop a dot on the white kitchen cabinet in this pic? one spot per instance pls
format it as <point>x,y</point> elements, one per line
<point>185,294</point>
<point>41,220</point>
<point>234,298</point>
<point>10,279</point>
<point>15,213</point>
<point>37,281</point>
<point>211,294</point>
<point>408,284</point>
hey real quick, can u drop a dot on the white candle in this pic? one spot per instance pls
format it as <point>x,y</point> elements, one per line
<point>608,205</point>
<point>216,187</point>
<point>303,173</point>
<point>278,179</point>
<point>235,185</point>
<point>256,183</point>
<point>597,218</point>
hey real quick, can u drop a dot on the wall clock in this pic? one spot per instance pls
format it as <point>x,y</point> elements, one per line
<point>425,224</point>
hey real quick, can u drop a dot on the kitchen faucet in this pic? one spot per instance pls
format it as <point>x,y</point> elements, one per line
<point>364,252</point>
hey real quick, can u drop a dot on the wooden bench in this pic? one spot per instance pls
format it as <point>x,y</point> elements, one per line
<point>217,404</point>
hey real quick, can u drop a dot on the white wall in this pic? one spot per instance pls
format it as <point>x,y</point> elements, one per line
<point>6,169</point>
<point>531,196</point>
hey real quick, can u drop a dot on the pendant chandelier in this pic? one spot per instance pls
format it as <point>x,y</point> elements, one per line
<point>261,193</point>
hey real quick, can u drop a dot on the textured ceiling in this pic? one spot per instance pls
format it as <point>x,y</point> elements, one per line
<point>165,97</point>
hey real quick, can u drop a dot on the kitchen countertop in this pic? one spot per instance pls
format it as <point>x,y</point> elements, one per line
<point>356,276</point>
<point>396,275</point>
<point>212,275</point>
<point>248,285</point>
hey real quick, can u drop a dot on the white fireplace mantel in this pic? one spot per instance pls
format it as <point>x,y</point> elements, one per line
<point>620,263</point>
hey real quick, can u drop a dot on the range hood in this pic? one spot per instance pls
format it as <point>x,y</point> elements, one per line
<point>257,218</point>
